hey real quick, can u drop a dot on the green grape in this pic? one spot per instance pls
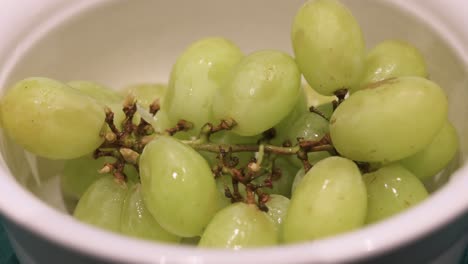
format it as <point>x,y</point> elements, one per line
<point>281,186</point>
<point>78,174</point>
<point>283,126</point>
<point>389,122</point>
<point>198,73</point>
<point>277,209</point>
<point>330,199</point>
<point>137,221</point>
<point>262,89</point>
<point>391,190</point>
<point>101,205</point>
<point>239,226</point>
<point>393,58</point>
<point>316,99</point>
<point>221,183</point>
<point>104,95</point>
<point>161,122</point>
<point>146,93</point>
<point>97,91</point>
<point>51,119</point>
<point>178,186</point>
<point>192,241</point>
<point>328,45</point>
<point>326,109</point>
<point>297,179</point>
<point>309,126</point>
<point>435,156</point>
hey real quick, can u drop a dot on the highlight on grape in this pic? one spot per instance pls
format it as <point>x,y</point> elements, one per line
<point>235,152</point>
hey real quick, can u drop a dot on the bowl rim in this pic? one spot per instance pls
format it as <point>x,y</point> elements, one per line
<point>32,214</point>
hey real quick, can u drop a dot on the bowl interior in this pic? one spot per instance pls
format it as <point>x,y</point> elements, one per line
<point>125,42</point>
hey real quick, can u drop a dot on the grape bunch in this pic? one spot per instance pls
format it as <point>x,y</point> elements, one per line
<point>235,151</point>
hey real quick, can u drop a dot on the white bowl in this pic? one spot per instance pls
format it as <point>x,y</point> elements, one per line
<point>120,42</point>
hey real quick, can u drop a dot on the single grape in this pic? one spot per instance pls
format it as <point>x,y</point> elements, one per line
<point>282,185</point>
<point>314,98</point>
<point>330,199</point>
<point>239,226</point>
<point>106,96</point>
<point>326,109</point>
<point>310,126</point>
<point>161,122</point>
<point>281,129</point>
<point>297,179</point>
<point>277,209</point>
<point>97,91</point>
<point>226,181</point>
<point>262,89</point>
<point>328,45</point>
<point>101,205</point>
<point>435,156</point>
<point>51,119</point>
<point>192,241</point>
<point>391,121</point>
<point>391,190</point>
<point>393,58</point>
<point>146,93</point>
<point>178,186</point>
<point>137,221</point>
<point>199,72</point>
<point>78,174</point>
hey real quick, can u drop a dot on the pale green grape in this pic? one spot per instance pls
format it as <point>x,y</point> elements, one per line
<point>198,73</point>
<point>389,122</point>
<point>51,119</point>
<point>316,99</point>
<point>277,209</point>
<point>330,199</point>
<point>146,93</point>
<point>226,181</point>
<point>328,45</point>
<point>262,89</point>
<point>310,126</point>
<point>161,122</point>
<point>137,221</point>
<point>326,109</point>
<point>435,156</point>
<point>101,205</point>
<point>393,58</point>
<point>391,190</point>
<point>283,126</point>
<point>282,186</point>
<point>78,174</point>
<point>239,226</point>
<point>178,186</point>
<point>106,96</point>
<point>297,179</point>
<point>97,91</point>
<point>193,241</point>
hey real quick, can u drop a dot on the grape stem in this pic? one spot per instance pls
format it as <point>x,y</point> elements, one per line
<point>128,143</point>
<point>310,146</point>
